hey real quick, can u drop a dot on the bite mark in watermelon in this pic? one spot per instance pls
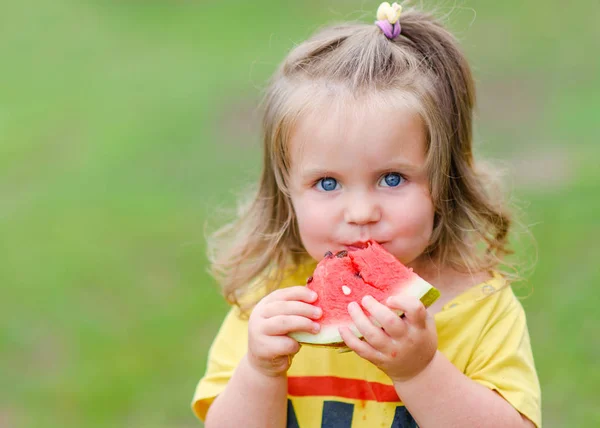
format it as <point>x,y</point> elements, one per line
<point>347,277</point>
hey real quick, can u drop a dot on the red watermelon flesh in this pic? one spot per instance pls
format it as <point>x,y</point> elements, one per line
<point>347,277</point>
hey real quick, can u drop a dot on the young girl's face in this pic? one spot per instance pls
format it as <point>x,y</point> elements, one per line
<point>359,174</point>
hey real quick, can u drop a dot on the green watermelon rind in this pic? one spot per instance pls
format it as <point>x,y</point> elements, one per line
<point>430,297</point>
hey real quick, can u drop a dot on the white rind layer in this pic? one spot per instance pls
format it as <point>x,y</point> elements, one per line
<point>329,335</point>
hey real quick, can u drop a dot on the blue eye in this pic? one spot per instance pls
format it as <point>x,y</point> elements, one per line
<point>327,184</point>
<point>392,180</point>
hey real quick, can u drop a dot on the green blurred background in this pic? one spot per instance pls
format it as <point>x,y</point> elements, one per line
<point>125,126</point>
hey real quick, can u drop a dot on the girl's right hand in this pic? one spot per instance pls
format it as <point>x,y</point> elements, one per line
<point>287,310</point>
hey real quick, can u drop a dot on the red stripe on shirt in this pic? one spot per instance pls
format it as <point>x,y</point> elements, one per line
<point>356,389</point>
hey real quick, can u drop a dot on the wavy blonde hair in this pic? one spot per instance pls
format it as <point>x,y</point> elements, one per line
<point>425,62</point>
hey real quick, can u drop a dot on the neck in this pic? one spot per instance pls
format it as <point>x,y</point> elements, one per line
<point>428,269</point>
<point>445,278</point>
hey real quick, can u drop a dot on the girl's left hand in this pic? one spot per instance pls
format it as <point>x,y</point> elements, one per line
<point>401,347</point>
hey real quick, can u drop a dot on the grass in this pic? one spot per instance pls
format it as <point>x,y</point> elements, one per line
<point>124,124</point>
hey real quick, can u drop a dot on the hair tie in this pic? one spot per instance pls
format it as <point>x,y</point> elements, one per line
<point>387,19</point>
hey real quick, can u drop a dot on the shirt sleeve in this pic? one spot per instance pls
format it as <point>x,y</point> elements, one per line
<point>225,353</point>
<point>503,360</point>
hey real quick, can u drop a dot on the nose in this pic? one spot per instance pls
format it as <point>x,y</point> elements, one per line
<point>361,209</point>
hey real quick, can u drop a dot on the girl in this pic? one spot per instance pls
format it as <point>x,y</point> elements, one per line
<point>367,135</point>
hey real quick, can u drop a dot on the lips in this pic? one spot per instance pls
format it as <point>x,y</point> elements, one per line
<point>358,245</point>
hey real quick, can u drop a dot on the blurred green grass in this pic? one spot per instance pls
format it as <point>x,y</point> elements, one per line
<point>125,125</point>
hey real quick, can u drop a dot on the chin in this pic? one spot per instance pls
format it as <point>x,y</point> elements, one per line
<point>405,256</point>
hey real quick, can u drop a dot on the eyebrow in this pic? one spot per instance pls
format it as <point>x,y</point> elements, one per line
<point>392,166</point>
<point>401,165</point>
<point>316,172</point>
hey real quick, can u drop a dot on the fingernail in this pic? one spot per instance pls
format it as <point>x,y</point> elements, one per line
<point>314,295</point>
<point>316,326</point>
<point>318,313</point>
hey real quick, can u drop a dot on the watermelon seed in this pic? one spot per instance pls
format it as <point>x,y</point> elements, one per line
<point>346,290</point>
<point>328,254</point>
<point>309,280</point>
<point>342,253</point>
<point>358,275</point>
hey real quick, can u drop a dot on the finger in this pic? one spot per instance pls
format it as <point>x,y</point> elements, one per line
<point>276,346</point>
<point>415,312</point>
<point>292,308</point>
<point>362,348</point>
<point>299,293</point>
<point>376,337</point>
<point>285,345</point>
<point>387,318</point>
<point>283,324</point>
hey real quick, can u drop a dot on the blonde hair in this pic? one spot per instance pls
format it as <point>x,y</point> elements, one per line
<point>471,224</point>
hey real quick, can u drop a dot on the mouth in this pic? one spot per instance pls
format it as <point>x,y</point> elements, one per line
<point>360,245</point>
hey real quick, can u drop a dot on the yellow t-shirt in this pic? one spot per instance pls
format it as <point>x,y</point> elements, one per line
<point>483,332</point>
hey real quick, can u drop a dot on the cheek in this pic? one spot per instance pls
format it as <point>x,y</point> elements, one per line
<point>417,221</point>
<point>426,216</point>
<point>312,219</point>
<point>413,229</point>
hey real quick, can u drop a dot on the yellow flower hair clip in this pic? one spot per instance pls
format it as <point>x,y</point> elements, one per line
<point>388,19</point>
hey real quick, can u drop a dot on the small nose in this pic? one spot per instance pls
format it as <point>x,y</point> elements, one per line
<point>362,209</point>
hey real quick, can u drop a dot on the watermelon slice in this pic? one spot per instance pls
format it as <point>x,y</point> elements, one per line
<point>350,275</point>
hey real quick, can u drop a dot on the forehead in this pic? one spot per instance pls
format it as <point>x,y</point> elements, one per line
<point>348,131</point>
